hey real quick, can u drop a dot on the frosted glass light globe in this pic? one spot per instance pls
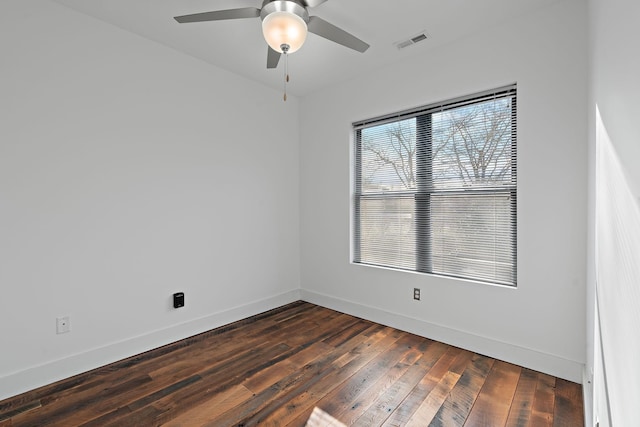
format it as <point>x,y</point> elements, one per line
<point>284,28</point>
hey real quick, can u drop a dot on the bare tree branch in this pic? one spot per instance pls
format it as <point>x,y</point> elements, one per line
<point>469,145</point>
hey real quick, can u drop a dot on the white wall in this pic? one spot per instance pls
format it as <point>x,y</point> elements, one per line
<point>128,172</point>
<point>614,221</point>
<point>541,324</point>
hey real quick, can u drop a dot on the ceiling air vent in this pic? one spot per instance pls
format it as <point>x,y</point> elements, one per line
<point>411,41</point>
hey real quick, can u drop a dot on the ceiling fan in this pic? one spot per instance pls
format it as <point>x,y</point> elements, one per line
<point>284,25</point>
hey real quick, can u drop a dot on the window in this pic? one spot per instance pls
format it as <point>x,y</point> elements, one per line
<point>435,189</point>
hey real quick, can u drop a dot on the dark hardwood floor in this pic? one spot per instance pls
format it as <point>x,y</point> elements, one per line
<point>297,364</point>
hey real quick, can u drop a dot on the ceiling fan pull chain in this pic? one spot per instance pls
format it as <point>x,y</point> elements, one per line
<point>285,49</point>
<point>286,74</point>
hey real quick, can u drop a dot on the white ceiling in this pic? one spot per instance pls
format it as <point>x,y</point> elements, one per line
<point>238,46</point>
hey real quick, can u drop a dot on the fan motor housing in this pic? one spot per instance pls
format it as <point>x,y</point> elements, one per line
<point>269,6</point>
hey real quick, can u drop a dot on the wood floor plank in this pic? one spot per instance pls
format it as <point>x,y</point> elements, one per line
<point>568,409</point>
<point>494,401</point>
<point>348,396</point>
<point>431,404</point>
<point>270,376</point>
<point>392,397</point>
<point>207,411</point>
<point>7,415</point>
<point>382,334</point>
<point>266,401</point>
<point>86,405</point>
<point>543,401</point>
<point>372,395</point>
<point>322,332</point>
<point>215,380</point>
<point>271,398</point>
<point>281,366</point>
<point>403,414</point>
<point>520,412</point>
<point>137,418</point>
<point>456,407</point>
<point>346,334</point>
<point>354,409</point>
<point>299,408</point>
<point>168,392</point>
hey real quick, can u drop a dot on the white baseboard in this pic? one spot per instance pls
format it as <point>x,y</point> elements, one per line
<point>529,358</point>
<point>57,370</point>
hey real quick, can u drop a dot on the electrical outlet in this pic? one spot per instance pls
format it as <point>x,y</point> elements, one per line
<point>63,325</point>
<point>416,294</point>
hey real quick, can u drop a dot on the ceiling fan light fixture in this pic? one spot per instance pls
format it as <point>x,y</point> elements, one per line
<point>284,28</point>
<point>284,24</point>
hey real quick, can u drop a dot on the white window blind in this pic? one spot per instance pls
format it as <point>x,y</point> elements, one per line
<point>435,189</point>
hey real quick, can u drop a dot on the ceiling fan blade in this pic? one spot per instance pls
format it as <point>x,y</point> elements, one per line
<point>220,15</point>
<point>329,31</point>
<point>273,57</point>
<point>312,3</point>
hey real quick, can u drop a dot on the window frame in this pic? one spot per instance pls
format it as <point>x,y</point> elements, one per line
<point>425,190</point>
